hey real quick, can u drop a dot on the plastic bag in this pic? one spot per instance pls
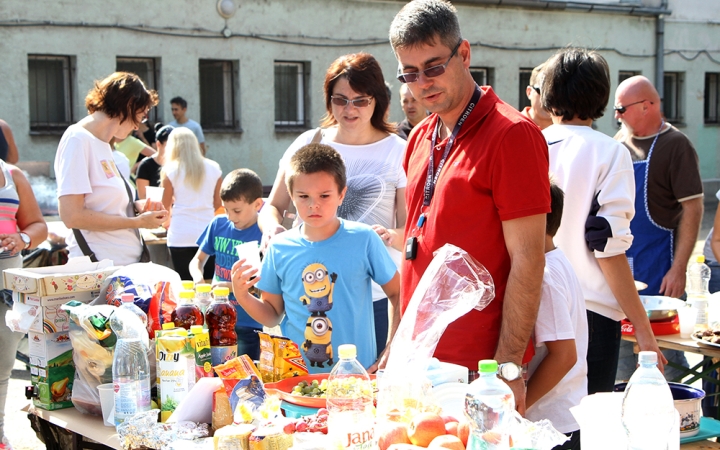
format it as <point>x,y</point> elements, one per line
<point>540,435</point>
<point>453,284</point>
<point>21,317</point>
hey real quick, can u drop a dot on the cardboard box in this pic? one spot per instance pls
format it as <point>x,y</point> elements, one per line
<point>78,275</point>
<point>49,318</point>
<point>49,350</point>
<point>54,386</point>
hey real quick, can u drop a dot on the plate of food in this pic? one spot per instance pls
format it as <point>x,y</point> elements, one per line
<point>307,390</point>
<point>710,337</point>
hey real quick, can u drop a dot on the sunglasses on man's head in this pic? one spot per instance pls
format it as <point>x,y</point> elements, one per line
<point>358,102</point>
<point>430,72</point>
<point>621,109</point>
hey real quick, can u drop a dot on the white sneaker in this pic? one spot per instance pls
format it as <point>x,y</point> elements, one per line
<point>5,445</point>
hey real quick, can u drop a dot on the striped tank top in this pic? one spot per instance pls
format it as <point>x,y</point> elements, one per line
<point>9,203</point>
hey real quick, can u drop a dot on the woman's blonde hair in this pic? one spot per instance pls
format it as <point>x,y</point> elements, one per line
<point>183,153</point>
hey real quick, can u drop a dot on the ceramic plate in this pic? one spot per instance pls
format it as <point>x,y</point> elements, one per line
<point>700,341</point>
<point>451,398</point>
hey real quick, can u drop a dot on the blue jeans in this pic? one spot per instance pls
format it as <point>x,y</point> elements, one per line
<point>380,310</point>
<point>627,362</point>
<point>602,357</point>
<point>248,342</point>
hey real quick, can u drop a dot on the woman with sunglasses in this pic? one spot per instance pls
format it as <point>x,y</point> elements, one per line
<point>93,198</point>
<point>356,101</point>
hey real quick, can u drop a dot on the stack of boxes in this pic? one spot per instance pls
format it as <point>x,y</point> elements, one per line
<point>45,290</point>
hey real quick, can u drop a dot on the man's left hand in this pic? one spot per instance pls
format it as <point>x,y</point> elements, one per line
<point>519,390</point>
<point>673,283</point>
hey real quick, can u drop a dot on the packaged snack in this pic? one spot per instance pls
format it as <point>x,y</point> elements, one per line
<point>266,364</point>
<point>240,367</point>
<point>221,412</point>
<point>270,438</point>
<point>287,361</point>
<point>246,398</point>
<point>233,437</point>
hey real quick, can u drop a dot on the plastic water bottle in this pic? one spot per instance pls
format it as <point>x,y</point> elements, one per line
<point>698,277</point>
<point>220,318</point>
<point>648,411</point>
<point>131,379</point>
<point>128,302</point>
<point>488,405</point>
<point>349,396</point>
<point>202,296</point>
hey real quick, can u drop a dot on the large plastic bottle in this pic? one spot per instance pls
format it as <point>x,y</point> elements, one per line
<point>221,318</point>
<point>349,396</point>
<point>187,314</point>
<point>698,277</point>
<point>128,302</point>
<point>202,296</point>
<point>648,411</point>
<point>488,406</point>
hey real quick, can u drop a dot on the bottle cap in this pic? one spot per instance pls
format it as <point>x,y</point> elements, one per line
<point>187,294</point>
<point>168,325</point>
<point>203,287</point>
<point>347,351</point>
<point>221,292</point>
<point>195,329</point>
<point>700,259</point>
<point>647,357</point>
<point>188,285</point>
<point>127,298</point>
<point>488,366</point>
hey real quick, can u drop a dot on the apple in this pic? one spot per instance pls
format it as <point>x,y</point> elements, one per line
<point>463,432</point>
<point>392,433</point>
<point>448,419</point>
<point>424,428</point>
<point>451,428</point>
<point>447,441</point>
<point>405,447</point>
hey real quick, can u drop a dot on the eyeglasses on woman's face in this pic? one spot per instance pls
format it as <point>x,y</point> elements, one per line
<point>430,72</point>
<point>362,102</point>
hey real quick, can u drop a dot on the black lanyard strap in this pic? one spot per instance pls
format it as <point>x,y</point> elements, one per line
<point>432,176</point>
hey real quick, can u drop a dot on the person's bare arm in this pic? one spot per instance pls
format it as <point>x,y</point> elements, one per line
<point>13,155</point>
<point>197,264</point>
<point>147,151</point>
<point>74,215</point>
<point>217,201</point>
<point>268,309</point>
<point>29,217</point>
<point>715,240</point>
<point>271,215</point>
<point>619,277</point>
<point>525,242</point>
<point>673,283</point>
<point>202,148</point>
<point>141,184</point>
<point>393,237</point>
<point>561,357</point>
<point>392,290</point>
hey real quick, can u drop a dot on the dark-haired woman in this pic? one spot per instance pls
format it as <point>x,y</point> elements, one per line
<point>356,100</point>
<point>93,197</point>
<point>148,173</point>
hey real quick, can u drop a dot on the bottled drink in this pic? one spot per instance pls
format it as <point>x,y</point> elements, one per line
<point>698,276</point>
<point>128,302</point>
<point>188,285</point>
<point>131,379</point>
<point>202,296</point>
<point>648,411</point>
<point>187,314</point>
<point>488,405</point>
<point>220,318</point>
<point>351,420</point>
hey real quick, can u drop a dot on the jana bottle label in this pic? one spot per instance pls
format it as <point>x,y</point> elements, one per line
<point>131,397</point>
<point>222,354</point>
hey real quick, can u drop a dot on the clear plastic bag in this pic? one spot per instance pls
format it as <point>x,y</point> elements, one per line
<point>453,284</point>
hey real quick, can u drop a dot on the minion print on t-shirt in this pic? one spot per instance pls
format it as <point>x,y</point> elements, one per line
<point>318,285</point>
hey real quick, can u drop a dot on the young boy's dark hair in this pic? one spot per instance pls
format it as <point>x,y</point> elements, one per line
<point>557,200</point>
<point>241,184</point>
<point>313,158</point>
<point>179,101</point>
<point>576,84</point>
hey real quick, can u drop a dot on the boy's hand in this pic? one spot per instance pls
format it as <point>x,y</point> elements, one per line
<point>243,277</point>
<point>387,235</point>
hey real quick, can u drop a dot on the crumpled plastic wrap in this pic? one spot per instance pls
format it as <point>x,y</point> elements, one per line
<point>540,435</point>
<point>143,430</point>
<point>453,284</point>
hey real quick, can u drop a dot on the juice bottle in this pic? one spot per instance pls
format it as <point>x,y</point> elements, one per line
<point>220,318</point>
<point>187,313</point>
<point>188,285</point>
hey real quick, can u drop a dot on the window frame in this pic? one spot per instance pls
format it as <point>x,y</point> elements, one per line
<point>153,71</point>
<point>675,83</point>
<point>707,118</point>
<point>231,89</point>
<point>68,78</point>
<point>303,97</point>
<point>489,75</point>
<point>524,73</point>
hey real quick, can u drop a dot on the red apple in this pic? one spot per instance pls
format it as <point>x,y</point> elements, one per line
<point>392,433</point>
<point>424,428</point>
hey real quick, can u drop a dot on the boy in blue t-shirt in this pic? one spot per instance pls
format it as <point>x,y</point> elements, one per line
<point>318,274</point>
<point>241,195</point>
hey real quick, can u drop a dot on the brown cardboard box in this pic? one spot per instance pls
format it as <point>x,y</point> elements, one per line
<point>78,275</point>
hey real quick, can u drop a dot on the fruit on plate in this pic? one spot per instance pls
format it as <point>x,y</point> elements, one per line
<point>452,428</point>
<point>316,423</point>
<point>448,419</point>
<point>463,432</point>
<point>447,441</point>
<point>392,433</point>
<point>313,389</point>
<point>405,447</point>
<point>425,427</point>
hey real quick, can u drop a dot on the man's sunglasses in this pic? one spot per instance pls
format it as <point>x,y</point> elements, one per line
<point>430,72</point>
<point>621,109</point>
<point>358,102</point>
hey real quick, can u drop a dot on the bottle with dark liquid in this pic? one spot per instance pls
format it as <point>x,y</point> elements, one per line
<point>187,313</point>
<point>221,318</point>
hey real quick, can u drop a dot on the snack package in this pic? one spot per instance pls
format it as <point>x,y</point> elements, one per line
<point>239,367</point>
<point>270,438</point>
<point>246,399</point>
<point>452,285</point>
<point>221,412</point>
<point>233,437</point>
<point>283,356</point>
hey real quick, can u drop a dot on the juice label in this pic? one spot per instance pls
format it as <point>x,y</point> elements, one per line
<point>175,371</point>
<point>222,354</point>
<point>203,356</point>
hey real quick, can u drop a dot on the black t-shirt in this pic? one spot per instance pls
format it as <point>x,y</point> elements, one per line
<point>149,170</point>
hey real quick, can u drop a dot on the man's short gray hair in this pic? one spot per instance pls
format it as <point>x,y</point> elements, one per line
<point>422,22</point>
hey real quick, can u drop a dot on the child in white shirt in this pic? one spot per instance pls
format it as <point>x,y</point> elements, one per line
<point>558,371</point>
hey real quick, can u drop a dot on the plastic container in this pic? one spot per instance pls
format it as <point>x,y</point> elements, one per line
<point>489,404</point>
<point>187,314</point>
<point>128,302</point>
<point>648,412</point>
<point>349,395</point>
<point>698,277</point>
<point>131,379</point>
<point>202,296</point>
<point>221,318</point>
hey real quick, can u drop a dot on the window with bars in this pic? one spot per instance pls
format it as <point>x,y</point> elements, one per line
<point>291,103</point>
<point>712,97</point>
<point>217,94</point>
<point>483,76</point>
<point>146,69</point>
<point>625,74</point>
<point>524,82</point>
<point>50,92</point>
<point>673,96</point>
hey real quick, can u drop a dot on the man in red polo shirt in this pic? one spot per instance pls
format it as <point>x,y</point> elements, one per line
<point>477,175</point>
